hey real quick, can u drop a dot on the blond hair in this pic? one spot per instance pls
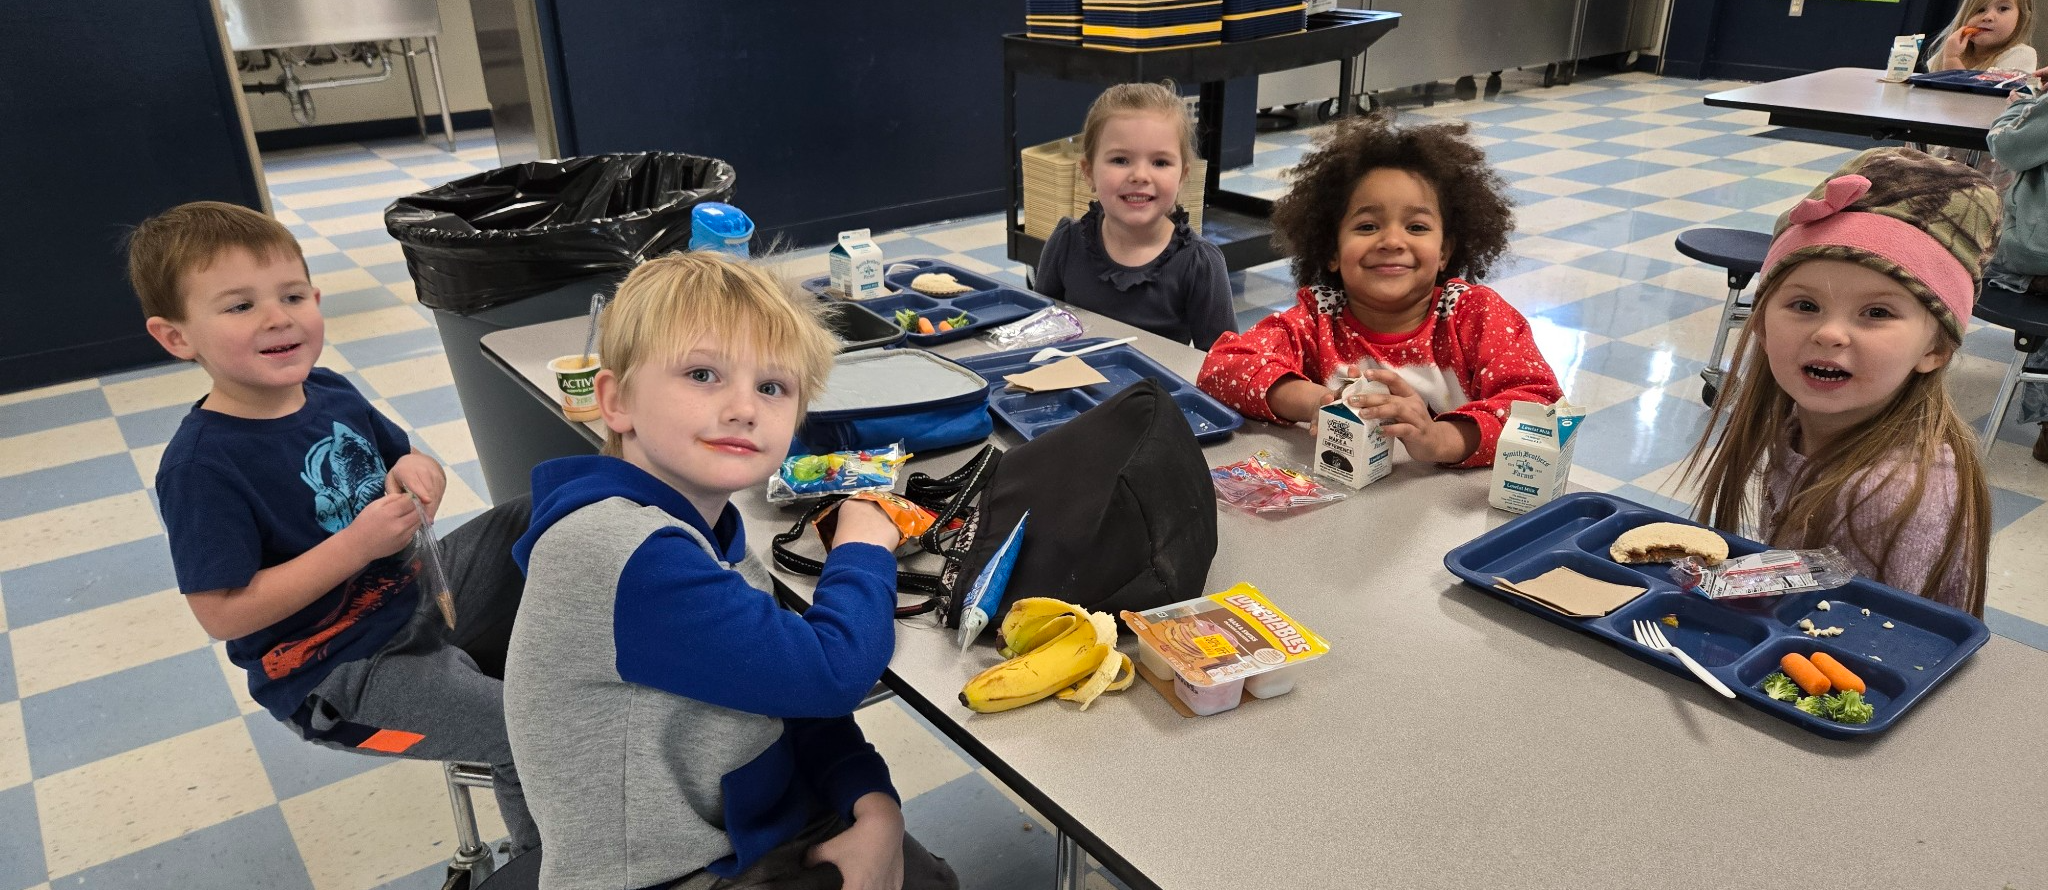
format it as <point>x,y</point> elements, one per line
<point>1914,427</point>
<point>190,238</point>
<point>1138,98</point>
<point>673,303</point>
<point>1974,57</point>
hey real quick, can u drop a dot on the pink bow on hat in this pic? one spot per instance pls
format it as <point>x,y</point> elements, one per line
<point>1841,192</point>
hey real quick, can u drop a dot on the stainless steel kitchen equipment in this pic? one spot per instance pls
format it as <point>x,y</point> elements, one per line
<point>276,26</point>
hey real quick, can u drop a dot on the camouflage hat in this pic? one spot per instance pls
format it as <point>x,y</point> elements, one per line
<point>1926,222</point>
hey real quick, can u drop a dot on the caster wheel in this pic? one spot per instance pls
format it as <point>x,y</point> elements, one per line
<point>1327,109</point>
<point>1466,88</point>
<point>1493,84</point>
<point>1708,393</point>
<point>1550,75</point>
<point>1367,104</point>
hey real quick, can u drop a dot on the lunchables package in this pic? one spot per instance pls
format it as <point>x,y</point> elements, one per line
<point>857,266</point>
<point>1222,645</point>
<point>1351,449</point>
<point>1533,461</point>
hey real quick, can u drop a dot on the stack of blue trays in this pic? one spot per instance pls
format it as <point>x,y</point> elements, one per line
<point>1253,19</point>
<point>1147,25</point>
<point>1053,20</point>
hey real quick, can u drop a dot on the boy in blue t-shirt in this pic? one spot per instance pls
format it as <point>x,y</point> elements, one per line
<point>291,505</point>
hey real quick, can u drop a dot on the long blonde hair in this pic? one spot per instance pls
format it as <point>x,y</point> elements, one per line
<point>1748,424</point>
<point>1974,57</point>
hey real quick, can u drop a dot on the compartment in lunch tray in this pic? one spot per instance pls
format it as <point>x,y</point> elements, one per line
<point>886,306</point>
<point>1028,411</point>
<point>1204,416</point>
<point>1884,684</point>
<point>1599,539</point>
<point>1123,368</point>
<point>1712,634</point>
<point>1552,525</point>
<point>901,280</point>
<point>1923,634</point>
<point>1000,306</point>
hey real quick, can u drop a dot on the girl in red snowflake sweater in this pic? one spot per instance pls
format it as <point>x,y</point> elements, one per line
<point>1385,225</point>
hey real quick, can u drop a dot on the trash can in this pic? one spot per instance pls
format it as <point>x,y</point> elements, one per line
<point>529,243</point>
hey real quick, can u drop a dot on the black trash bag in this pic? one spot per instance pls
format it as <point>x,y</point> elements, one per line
<point>518,231</point>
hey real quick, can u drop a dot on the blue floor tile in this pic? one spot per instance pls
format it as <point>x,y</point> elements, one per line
<point>358,240</point>
<point>1751,220</point>
<point>428,407</point>
<point>1617,229</point>
<point>74,584</point>
<point>325,263</point>
<point>21,845</point>
<point>2017,629</point>
<point>1609,129</point>
<point>1630,439</point>
<point>98,718</point>
<point>472,474</point>
<point>1745,194</point>
<point>1611,149</point>
<point>1246,318</point>
<point>168,366</point>
<point>372,351</point>
<point>2007,506</point>
<point>1615,197</point>
<point>337,211</point>
<point>1990,342</point>
<point>296,766</point>
<point>62,486</point>
<point>1505,116</point>
<point>152,427</point>
<point>8,690</point>
<point>1739,168</point>
<point>352,180</point>
<point>1635,364</point>
<point>323,158</point>
<point>251,850</point>
<point>364,300</point>
<point>1508,151</point>
<point>389,273</point>
<point>1721,146</point>
<point>54,411</point>
<point>1631,266</point>
<point>982,834</point>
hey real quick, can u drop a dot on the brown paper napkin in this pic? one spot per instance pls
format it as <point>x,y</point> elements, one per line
<point>1566,592</point>
<point>1067,373</point>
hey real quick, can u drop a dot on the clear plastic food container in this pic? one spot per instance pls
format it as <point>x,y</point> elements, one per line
<point>1223,645</point>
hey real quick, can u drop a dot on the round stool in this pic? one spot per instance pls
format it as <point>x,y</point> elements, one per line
<point>1741,253</point>
<point>521,873</point>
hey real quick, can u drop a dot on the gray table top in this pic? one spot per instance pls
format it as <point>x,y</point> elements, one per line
<point>1451,740</point>
<point>1860,96</point>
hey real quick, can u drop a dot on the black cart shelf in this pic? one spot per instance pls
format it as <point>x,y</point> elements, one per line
<point>1237,223</point>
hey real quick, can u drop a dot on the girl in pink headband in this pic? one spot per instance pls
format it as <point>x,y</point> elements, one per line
<point>1839,407</point>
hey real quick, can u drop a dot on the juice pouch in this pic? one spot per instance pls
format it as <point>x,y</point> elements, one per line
<point>1224,637</point>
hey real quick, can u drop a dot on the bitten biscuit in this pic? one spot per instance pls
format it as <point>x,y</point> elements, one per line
<point>1666,541</point>
<point>939,284</point>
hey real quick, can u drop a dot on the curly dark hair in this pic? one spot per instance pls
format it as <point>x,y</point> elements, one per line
<point>1478,214</point>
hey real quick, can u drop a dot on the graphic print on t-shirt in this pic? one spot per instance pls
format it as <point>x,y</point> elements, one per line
<point>345,473</point>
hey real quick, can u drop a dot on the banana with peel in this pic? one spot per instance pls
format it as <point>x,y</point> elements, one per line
<point>1053,648</point>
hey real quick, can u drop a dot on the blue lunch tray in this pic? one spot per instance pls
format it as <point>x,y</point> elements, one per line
<point>1738,640</point>
<point>899,280</point>
<point>983,310</point>
<point>1032,414</point>
<point>1965,81</point>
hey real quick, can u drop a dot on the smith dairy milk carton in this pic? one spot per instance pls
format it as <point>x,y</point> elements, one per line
<point>857,266</point>
<point>1534,457</point>
<point>1349,448</point>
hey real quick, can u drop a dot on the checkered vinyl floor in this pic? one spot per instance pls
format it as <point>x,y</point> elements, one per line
<point>131,757</point>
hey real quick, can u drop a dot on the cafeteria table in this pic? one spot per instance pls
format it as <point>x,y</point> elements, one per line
<point>1450,740</point>
<point>1857,101</point>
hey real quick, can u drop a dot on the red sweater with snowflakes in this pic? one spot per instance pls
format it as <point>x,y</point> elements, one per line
<point>1473,357</point>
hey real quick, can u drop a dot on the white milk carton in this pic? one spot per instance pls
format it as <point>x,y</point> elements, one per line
<point>1351,449</point>
<point>1534,458</point>
<point>1905,54</point>
<point>857,266</point>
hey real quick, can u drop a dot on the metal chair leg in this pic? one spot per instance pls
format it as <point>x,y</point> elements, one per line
<point>2002,401</point>
<point>470,854</point>
<point>1070,865</point>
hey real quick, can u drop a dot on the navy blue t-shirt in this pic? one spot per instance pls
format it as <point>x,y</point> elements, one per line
<point>241,495</point>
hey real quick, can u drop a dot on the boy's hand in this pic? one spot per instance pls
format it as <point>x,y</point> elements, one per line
<point>1403,415</point>
<point>863,522</point>
<point>420,475</point>
<point>384,527</point>
<point>869,853</point>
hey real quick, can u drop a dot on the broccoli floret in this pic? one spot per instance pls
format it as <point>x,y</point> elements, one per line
<point>1781,687</point>
<point>1813,704</point>
<point>1848,706</point>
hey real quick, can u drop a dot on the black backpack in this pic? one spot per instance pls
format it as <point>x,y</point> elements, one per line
<point>1123,512</point>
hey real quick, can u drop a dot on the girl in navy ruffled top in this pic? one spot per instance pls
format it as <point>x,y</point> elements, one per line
<point>1132,257</point>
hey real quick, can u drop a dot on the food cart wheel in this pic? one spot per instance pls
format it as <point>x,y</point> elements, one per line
<point>1467,88</point>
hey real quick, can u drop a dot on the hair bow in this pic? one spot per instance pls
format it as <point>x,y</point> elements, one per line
<point>1841,192</point>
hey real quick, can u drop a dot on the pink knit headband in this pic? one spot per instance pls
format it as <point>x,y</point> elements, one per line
<point>1821,222</point>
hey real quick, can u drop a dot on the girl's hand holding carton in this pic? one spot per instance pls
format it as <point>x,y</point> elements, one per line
<point>1404,416</point>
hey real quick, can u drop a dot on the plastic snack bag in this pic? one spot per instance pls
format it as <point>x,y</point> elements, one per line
<point>1769,573</point>
<point>1042,328</point>
<point>841,472</point>
<point>1263,483</point>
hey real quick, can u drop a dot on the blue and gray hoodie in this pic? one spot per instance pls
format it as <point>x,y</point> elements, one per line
<point>666,714</point>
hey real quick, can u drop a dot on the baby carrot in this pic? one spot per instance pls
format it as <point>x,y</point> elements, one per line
<point>1802,672</point>
<point>924,326</point>
<point>1840,676</point>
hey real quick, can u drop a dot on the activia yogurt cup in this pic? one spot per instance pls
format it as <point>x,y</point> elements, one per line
<point>1220,646</point>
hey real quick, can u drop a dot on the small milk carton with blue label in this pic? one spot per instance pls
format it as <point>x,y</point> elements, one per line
<point>857,266</point>
<point>1534,458</point>
<point>1351,449</point>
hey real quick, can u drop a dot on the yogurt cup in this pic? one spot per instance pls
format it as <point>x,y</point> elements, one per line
<point>576,377</point>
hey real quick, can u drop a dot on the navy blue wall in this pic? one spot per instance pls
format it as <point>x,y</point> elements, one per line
<point>114,110</point>
<point>1758,40</point>
<point>836,115</point>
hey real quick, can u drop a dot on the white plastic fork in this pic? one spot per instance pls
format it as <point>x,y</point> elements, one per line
<point>1649,634</point>
<point>1053,352</point>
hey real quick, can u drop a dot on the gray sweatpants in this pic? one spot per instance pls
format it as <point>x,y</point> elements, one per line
<point>442,685</point>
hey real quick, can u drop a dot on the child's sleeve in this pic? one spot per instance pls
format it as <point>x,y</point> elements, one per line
<point>1242,368</point>
<point>1208,309</point>
<point>2019,137</point>
<point>214,538</point>
<point>1910,560</point>
<point>684,624</point>
<point>1051,259</point>
<point>838,762</point>
<point>1500,366</point>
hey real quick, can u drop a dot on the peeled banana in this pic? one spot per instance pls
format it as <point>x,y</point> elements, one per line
<point>1052,647</point>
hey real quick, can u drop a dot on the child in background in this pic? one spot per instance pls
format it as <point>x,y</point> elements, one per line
<point>672,720</point>
<point>2019,141</point>
<point>1386,226</point>
<point>1986,34</point>
<point>1132,256</point>
<point>1839,403</point>
<point>289,505</point>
